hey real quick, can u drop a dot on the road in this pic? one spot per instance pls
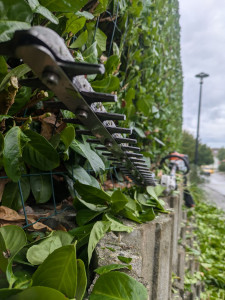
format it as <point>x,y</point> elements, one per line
<point>215,189</point>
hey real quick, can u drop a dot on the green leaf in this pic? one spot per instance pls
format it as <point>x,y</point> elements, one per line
<point>81,280</point>
<point>91,206</point>
<point>80,41</point>
<point>97,233</point>
<point>39,9</point>
<point>82,234</point>
<point>17,10</point>
<point>85,150</point>
<point>107,85</point>
<point>101,38</point>
<point>12,154</point>
<point>147,215</point>
<point>6,293</point>
<point>14,15</point>
<point>18,71</point>
<point>4,117</point>
<point>140,132</point>
<point>39,153</point>
<point>144,200</point>
<point>106,269</point>
<point>90,55</point>
<point>38,293</point>
<point>12,239</point>
<point>84,216</point>
<point>124,259</point>
<point>64,6</point>
<point>11,196</point>
<point>3,68</point>
<point>102,6</point>
<point>22,276</point>
<point>152,192</point>
<point>117,226</point>
<point>59,271</point>
<point>112,64</point>
<point>119,286</point>
<point>40,186</point>
<point>74,23</point>
<point>38,253</point>
<point>85,14</point>
<point>118,200</point>
<point>79,174</point>
<point>92,194</point>
<point>1,143</point>
<point>65,237</point>
<point>159,189</point>
<point>130,214</point>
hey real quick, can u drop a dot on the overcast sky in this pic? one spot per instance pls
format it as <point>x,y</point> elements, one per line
<point>203,50</point>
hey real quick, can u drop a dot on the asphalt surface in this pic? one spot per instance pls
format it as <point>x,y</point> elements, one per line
<point>214,188</point>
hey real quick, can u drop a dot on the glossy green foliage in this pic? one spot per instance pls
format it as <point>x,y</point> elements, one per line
<point>37,293</point>
<point>117,285</point>
<point>142,63</point>
<point>12,239</point>
<point>60,273</point>
<point>210,249</point>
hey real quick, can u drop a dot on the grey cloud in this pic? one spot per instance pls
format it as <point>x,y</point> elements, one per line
<point>203,49</point>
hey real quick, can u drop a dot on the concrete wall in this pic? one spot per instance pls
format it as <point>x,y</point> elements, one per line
<point>153,248</point>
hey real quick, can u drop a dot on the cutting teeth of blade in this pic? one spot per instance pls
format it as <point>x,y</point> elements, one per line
<point>73,69</point>
<point>72,121</point>
<point>131,154</point>
<point>93,141</point>
<point>92,97</point>
<point>112,159</point>
<point>54,105</point>
<point>137,160</point>
<point>101,148</point>
<point>84,132</point>
<point>125,141</point>
<point>106,153</point>
<point>114,129</point>
<point>103,116</point>
<point>137,149</point>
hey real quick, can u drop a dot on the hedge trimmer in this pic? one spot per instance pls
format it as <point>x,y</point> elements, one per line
<point>54,67</point>
<point>177,162</point>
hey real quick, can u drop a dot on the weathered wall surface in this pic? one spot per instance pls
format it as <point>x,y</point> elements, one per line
<point>153,248</point>
<point>157,250</point>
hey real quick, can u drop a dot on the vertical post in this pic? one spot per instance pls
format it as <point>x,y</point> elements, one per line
<point>201,76</point>
<point>198,123</point>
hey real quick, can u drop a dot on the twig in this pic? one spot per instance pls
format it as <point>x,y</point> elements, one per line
<point>94,7</point>
<point>110,19</point>
<point>37,118</point>
<point>37,97</point>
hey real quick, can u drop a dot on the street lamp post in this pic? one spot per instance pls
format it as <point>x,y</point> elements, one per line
<point>201,76</point>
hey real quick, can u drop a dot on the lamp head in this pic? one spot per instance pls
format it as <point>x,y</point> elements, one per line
<point>202,75</point>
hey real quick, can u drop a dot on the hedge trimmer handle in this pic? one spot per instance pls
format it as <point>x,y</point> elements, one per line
<point>179,157</point>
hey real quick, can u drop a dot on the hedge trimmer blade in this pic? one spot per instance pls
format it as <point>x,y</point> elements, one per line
<point>48,57</point>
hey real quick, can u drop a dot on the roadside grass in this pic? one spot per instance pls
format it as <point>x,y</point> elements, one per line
<point>210,233</point>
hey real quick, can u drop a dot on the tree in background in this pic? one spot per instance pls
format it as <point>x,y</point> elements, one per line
<point>221,154</point>
<point>205,156</point>
<point>188,145</point>
<point>222,167</point>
